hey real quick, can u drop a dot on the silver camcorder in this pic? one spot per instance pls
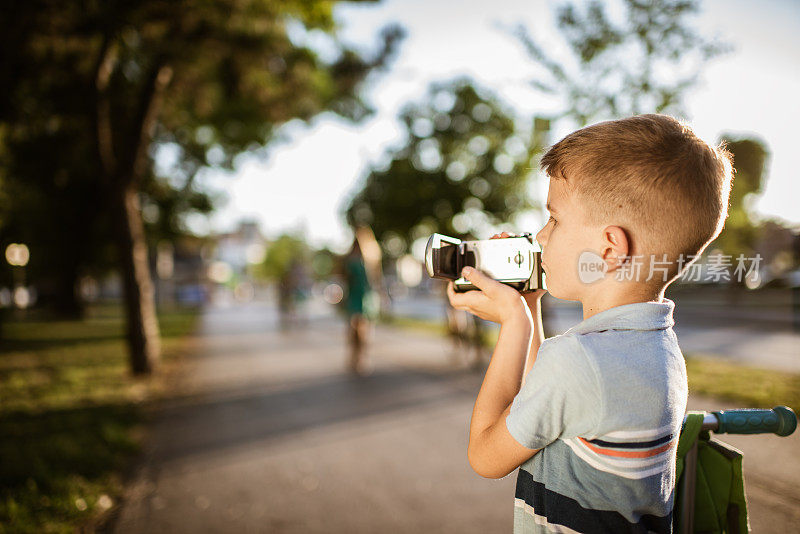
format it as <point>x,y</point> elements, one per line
<point>514,261</point>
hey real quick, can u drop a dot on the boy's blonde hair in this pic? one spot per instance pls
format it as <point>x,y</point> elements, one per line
<point>651,175</point>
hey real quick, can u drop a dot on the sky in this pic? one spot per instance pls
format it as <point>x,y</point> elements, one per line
<point>305,183</point>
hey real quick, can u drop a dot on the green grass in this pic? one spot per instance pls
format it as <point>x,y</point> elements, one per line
<point>70,416</point>
<point>420,325</point>
<point>755,388</point>
<point>439,327</point>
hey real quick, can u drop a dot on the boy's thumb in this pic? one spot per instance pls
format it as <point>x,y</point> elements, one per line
<point>477,278</point>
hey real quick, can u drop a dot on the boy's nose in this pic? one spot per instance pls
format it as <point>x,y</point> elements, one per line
<point>541,237</point>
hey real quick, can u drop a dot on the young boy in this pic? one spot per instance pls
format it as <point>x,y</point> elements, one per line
<point>592,416</point>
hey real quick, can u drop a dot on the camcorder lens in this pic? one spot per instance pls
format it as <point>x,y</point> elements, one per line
<point>450,259</point>
<point>445,259</point>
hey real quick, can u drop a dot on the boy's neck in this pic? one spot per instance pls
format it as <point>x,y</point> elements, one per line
<point>613,296</point>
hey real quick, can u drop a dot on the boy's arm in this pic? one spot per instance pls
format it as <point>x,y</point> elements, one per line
<point>493,452</point>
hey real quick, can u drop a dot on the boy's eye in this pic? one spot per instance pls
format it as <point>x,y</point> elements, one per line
<point>552,219</point>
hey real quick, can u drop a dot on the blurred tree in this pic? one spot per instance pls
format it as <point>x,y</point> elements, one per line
<point>91,92</point>
<point>282,254</point>
<point>285,263</point>
<point>635,57</point>
<point>750,157</point>
<point>465,165</point>
<point>323,264</point>
<point>57,209</point>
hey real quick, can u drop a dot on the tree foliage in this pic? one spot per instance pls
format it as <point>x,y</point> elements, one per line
<point>464,166</point>
<point>236,76</point>
<point>90,90</point>
<point>750,159</point>
<point>286,251</point>
<point>642,60</point>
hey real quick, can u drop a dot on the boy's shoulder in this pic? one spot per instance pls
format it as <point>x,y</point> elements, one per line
<point>639,333</point>
<point>565,356</point>
<point>623,355</point>
<point>617,355</point>
<point>590,383</point>
<point>627,337</point>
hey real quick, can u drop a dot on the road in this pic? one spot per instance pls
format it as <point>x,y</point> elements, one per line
<point>265,432</point>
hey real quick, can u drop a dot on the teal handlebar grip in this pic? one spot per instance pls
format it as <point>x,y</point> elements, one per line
<point>780,420</point>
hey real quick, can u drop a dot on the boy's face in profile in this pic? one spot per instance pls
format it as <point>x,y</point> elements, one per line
<point>565,236</point>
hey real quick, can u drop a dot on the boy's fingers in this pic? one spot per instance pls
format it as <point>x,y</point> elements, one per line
<point>500,235</point>
<point>477,278</point>
<point>460,301</point>
<point>455,301</point>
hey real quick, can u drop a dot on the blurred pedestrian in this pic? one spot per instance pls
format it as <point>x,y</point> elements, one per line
<point>293,292</point>
<point>361,269</point>
<point>466,333</point>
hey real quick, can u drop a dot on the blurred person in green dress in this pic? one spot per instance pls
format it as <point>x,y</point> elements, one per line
<point>361,270</point>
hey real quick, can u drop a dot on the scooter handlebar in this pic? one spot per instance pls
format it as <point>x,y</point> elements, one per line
<point>780,420</point>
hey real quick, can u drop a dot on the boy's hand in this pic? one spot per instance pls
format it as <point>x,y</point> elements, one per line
<point>494,302</point>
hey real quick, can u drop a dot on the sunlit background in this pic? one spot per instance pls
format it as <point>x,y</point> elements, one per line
<point>214,314</point>
<point>748,90</point>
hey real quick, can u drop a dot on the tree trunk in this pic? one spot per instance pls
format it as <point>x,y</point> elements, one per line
<point>143,336</point>
<point>124,162</point>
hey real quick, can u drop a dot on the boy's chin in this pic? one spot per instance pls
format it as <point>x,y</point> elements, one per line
<point>573,290</point>
<point>561,293</point>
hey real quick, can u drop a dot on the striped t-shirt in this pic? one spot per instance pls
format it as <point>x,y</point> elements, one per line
<point>604,402</point>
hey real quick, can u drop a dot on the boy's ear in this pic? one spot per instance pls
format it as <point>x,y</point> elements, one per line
<point>614,247</point>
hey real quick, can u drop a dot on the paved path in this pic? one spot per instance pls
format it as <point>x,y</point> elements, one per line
<point>266,433</point>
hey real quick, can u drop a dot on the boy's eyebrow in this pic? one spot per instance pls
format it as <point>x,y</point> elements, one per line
<point>550,208</point>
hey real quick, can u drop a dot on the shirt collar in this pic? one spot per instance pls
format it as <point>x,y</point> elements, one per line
<point>636,316</point>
